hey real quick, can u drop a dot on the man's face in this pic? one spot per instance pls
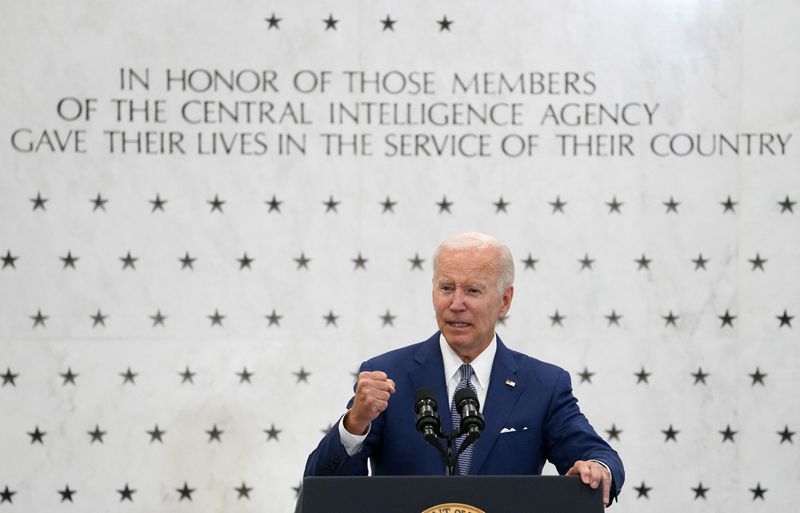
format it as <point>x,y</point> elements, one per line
<point>466,298</point>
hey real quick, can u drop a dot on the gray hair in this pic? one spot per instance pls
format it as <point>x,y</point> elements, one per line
<point>477,240</point>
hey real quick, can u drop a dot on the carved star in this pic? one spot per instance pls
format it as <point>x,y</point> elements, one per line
<point>37,436</point>
<point>558,205</point>
<point>302,375</point>
<point>126,493</point>
<point>670,318</point>
<point>786,435</point>
<point>643,491</point>
<point>670,434</point>
<point>297,490</point>
<point>700,262</point>
<point>530,262</point>
<point>444,205</point>
<point>186,492</point>
<point>644,263</point>
<point>729,205</point>
<point>272,433</point>
<point>244,491</point>
<point>330,318</point>
<point>216,318</point>
<point>330,22</point>
<point>700,491</point>
<point>613,433</point>
<point>302,261</point>
<point>388,23</point>
<point>245,261</point>
<point>502,320</point>
<point>9,260</point>
<point>758,377</point>
<point>6,495</point>
<point>129,376</point>
<point>274,205</point>
<point>614,206</point>
<point>613,318</point>
<point>158,318</point>
<point>39,319</point>
<point>216,204</point>
<point>9,377</point>
<point>501,205</point>
<point>331,204</point>
<point>158,203</point>
<point>585,375</point>
<point>273,22</point>
<point>444,24</point>
<point>642,376</point>
<point>99,202</point>
<point>155,434</point>
<point>416,262</point>
<point>66,494</point>
<point>672,205</point>
<point>274,318</point>
<point>38,201</point>
<point>728,434</point>
<point>758,262</point>
<point>98,318</point>
<point>556,318</point>
<point>214,434</point>
<point>360,262</point>
<point>97,435</point>
<point>758,492</point>
<point>69,377</point>
<point>69,260</point>
<point>245,375</point>
<point>388,318</point>
<point>586,262</point>
<point>128,261</point>
<point>787,204</point>
<point>727,319</point>
<point>700,376</point>
<point>187,261</point>
<point>388,204</point>
<point>187,375</point>
<point>786,319</point>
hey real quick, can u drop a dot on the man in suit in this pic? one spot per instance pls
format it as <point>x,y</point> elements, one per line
<point>530,412</point>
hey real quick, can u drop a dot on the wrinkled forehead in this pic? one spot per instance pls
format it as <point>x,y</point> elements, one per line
<point>470,263</point>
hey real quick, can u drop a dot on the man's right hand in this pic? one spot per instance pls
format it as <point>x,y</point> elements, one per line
<point>372,397</point>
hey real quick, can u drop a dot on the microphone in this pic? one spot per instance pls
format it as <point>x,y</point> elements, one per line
<point>468,408</point>
<point>427,417</point>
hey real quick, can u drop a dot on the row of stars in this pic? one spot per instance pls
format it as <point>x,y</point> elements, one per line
<point>126,493</point>
<point>332,205</point>
<point>331,23</point>
<point>215,434</point>
<point>331,319</point>
<point>156,434</point>
<point>245,376</point>
<point>185,492</point>
<point>302,261</point>
<point>643,491</point>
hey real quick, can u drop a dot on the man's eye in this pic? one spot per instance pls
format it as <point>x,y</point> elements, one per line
<point>446,288</point>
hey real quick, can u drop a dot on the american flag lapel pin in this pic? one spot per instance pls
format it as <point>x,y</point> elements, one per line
<point>510,383</point>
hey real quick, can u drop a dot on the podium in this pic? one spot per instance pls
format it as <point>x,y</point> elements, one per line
<point>451,494</point>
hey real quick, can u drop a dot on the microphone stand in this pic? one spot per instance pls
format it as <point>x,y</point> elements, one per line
<point>449,456</point>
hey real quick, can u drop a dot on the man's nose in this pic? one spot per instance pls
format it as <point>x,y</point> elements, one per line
<point>457,304</point>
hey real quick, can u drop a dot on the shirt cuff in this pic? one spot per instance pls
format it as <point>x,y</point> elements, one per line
<point>352,443</point>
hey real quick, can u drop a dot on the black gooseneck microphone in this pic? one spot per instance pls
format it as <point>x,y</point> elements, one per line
<point>468,408</point>
<point>428,422</point>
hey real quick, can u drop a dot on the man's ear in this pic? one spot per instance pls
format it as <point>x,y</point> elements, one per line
<point>508,295</point>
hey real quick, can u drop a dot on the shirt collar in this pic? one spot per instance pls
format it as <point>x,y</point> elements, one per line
<point>481,365</point>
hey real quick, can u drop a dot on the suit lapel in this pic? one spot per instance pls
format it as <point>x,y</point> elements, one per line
<point>430,374</point>
<point>500,401</point>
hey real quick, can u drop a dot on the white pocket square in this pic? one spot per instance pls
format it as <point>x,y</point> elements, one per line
<point>507,430</point>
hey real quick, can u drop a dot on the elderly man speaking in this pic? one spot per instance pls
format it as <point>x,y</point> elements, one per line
<point>530,413</point>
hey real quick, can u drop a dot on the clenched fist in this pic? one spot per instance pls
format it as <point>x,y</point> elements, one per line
<point>372,397</point>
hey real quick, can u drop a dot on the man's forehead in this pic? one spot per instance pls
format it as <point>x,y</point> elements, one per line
<point>470,261</point>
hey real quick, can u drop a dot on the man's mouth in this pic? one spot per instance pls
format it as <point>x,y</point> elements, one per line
<point>459,324</point>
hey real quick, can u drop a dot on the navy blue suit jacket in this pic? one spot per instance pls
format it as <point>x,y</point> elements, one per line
<point>540,407</point>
